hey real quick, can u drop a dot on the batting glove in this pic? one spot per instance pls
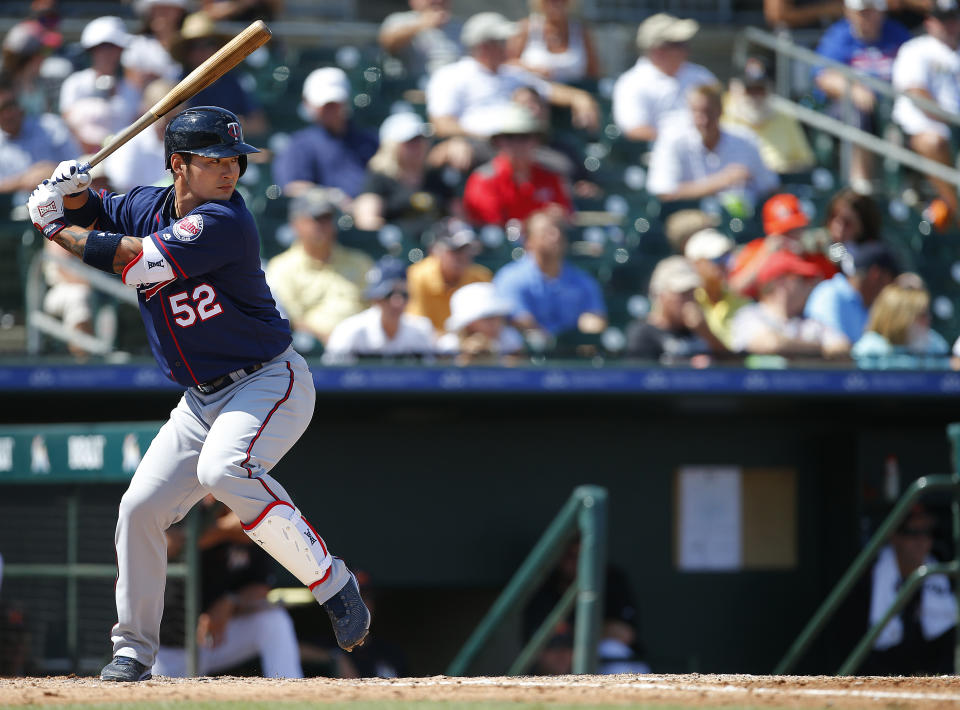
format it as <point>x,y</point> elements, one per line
<point>68,179</point>
<point>46,210</point>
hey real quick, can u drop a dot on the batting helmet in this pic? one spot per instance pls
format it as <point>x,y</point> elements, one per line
<point>210,131</point>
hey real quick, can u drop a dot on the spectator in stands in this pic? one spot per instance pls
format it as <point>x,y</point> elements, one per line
<point>26,47</point>
<point>557,153</point>
<point>553,44</point>
<point>898,332</point>
<point>450,266</point>
<point>842,302</point>
<point>852,218</point>
<point>425,37</point>
<point>199,40</point>
<point>237,623</point>
<point>513,185</point>
<point>865,40</point>
<point>775,324</point>
<point>145,60</point>
<point>800,13</point>
<point>162,20</point>
<point>30,146</point>
<point>317,282</point>
<point>332,152</point>
<point>90,121</point>
<point>464,98</point>
<point>700,159</point>
<point>709,251</point>
<point>783,144</point>
<point>477,330</point>
<point>920,640</point>
<point>676,328</point>
<point>547,293</point>
<point>652,94</point>
<point>384,329</point>
<point>141,161</point>
<point>242,10</point>
<point>401,187</point>
<point>683,224</point>
<point>104,40</point>
<point>929,67</point>
<point>785,225</point>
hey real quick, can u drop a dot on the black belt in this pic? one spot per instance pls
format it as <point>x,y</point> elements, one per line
<point>219,383</point>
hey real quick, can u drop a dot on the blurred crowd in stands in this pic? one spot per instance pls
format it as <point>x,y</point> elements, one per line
<point>513,200</point>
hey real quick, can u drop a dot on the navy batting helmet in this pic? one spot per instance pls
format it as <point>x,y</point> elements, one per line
<point>210,131</point>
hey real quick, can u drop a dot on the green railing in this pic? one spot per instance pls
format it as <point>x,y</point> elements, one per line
<point>920,487</point>
<point>78,455</point>
<point>586,511</point>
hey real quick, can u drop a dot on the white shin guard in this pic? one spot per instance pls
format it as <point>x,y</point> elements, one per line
<point>287,537</point>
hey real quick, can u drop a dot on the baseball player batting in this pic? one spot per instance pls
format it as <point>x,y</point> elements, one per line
<point>192,251</point>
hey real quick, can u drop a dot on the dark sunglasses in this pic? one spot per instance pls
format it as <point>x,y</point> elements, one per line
<point>399,292</point>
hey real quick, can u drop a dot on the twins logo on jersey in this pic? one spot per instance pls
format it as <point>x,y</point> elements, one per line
<point>188,228</point>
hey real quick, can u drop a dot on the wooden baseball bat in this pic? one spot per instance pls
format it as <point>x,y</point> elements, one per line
<point>225,59</point>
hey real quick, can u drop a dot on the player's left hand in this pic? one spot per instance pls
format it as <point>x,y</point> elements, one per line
<point>46,210</point>
<point>68,180</point>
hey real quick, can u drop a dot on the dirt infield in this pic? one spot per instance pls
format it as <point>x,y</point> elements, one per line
<point>689,690</point>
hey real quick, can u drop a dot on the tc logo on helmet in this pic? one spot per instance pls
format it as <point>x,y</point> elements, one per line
<point>233,129</point>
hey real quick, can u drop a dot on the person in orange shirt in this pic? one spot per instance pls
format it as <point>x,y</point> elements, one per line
<point>784,223</point>
<point>450,265</point>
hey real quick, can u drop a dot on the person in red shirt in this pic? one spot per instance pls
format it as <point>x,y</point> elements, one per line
<point>784,223</point>
<point>513,185</point>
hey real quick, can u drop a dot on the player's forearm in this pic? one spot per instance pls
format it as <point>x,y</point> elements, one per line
<point>74,240</point>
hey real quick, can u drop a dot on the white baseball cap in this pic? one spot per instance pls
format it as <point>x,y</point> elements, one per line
<point>401,127</point>
<point>485,27</point>
<point>512,119</point>
<point>707,244</point>
<point>661,28</point>
<point>472,302</point>
<point>141,6</point>
<point>865,5</point>
<point>326,85</point>
<point>105,30</point>
<point>674,275</point>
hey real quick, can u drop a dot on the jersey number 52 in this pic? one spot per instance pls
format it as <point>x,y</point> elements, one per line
<point>202,303</point>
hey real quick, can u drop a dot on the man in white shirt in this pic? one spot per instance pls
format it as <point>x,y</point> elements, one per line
<point>104,39</point>
<point>929,67</point>
<point>463,98</point>
<point>697,160</point>
<point>383,329</point>
<point>653,93</point>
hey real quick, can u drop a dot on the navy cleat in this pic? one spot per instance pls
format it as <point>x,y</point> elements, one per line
<point>125,669</point>
<point>349,615</point>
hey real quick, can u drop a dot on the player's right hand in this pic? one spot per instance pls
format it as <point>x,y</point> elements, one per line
<point>68,179</point>
<point>46,210</point>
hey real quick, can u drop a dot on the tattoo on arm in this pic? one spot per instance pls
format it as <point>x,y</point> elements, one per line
<point>74,240</point>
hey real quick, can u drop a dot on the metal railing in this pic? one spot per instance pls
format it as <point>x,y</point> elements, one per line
<point>848,135</point>
<point>73,571</point>
<point>40,323</point>
<point>920,487</point>
<point>586,511</point>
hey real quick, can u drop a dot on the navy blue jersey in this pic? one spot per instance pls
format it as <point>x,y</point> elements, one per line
<point>216,314</point>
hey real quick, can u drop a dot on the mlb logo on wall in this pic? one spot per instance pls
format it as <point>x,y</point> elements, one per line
<point>188,228</point>
<point>233,129</point>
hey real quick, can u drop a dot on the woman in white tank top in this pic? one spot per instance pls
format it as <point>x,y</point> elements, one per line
<point>553,44</point>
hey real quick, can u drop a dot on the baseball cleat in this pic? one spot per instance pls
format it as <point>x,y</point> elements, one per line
<point>349,615</point>
<point>125,669</point>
